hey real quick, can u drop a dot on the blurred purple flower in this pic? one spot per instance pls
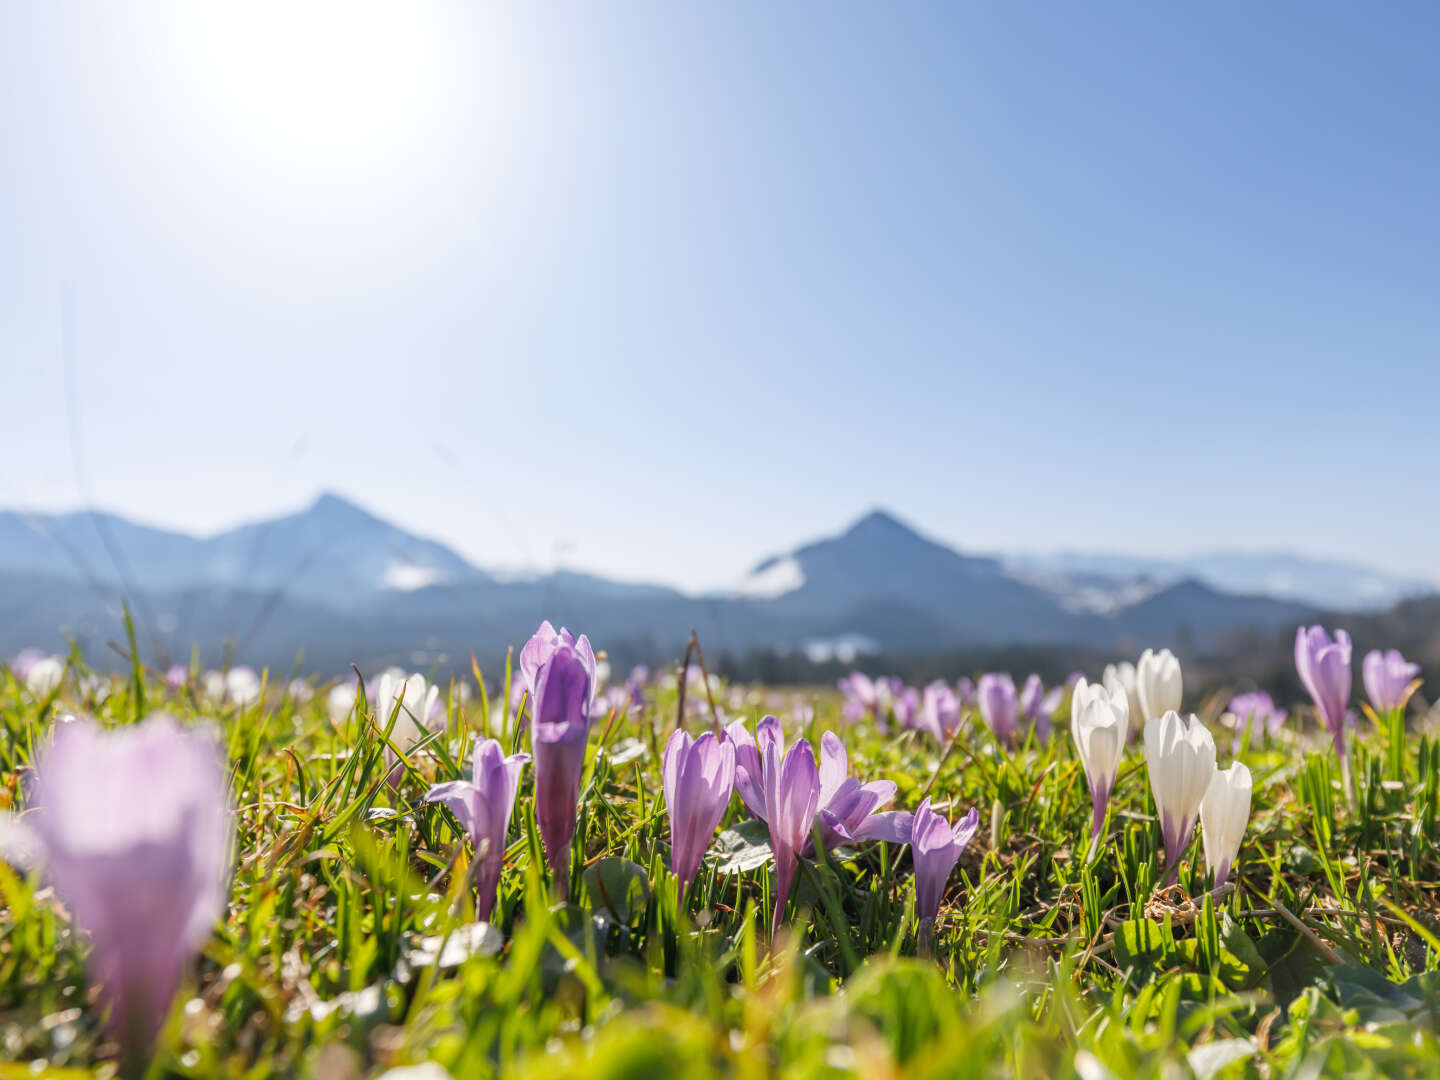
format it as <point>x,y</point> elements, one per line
<point>134,829</point>
<point>1257,709</point>
<point>1387,676</point>
<point>483,806</point>
<point>177,676</point>
<point>965,690</point>
<point>559,733</point>
<point>906,707</point>
<point>998,706</point>
<point>935,848</point>
<point>1038,708</point>
<point>939,712</point>
<point>698,777</point>
<point>1324,668</point>
<point>24,660</point>
<point>869,697</point>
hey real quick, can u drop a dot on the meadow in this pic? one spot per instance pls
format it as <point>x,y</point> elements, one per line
<point>364,922</point>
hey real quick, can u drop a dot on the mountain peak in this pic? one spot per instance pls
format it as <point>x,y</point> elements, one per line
<point>879,522</point>
<point>337,507</point>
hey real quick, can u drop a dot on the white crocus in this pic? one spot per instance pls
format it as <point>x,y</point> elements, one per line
<point>417,703</point>
<point>1121,677</point>
<point>1157,683</point>
<point>1099,724</point>
<point>1180,755</point>
<point>1224,813</point>
<point>44,676</point>
<point>341,700</point>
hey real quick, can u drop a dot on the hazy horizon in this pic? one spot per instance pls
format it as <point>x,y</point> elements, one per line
<point>638,290</point>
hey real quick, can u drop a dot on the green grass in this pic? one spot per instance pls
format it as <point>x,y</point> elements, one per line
<point>347,948</point>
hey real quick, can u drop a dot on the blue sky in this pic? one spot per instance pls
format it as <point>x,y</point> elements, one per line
<point>658,289</point>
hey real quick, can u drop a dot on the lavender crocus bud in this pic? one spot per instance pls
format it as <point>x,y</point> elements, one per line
<point>1180,756</point>
<point>1224,813</point>
<point>542,646</point>
<point>176,676</point>
<point>559,733</point>
<point>1387,678</point>
<point>998,706</point>
<point>133,827</point>
<point>698,776</point>
<point>1158,683</point>
<point>483,806</point>
<point>1324,668</point>
<point>935,848</point>
<point>1099,724</point>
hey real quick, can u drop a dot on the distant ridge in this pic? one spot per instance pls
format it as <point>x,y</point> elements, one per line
<point>342,584</point>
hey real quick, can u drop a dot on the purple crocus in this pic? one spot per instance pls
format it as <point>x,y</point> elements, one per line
<point>935,848</point>
<point>542,646</point>
<point>865,696</point>
<point>483,805</point>
<point>133,827</point>
<point>939,714</point>
<point>906,707</point>
<point>998,706</point>
<point>1257,709</point>
<point>698,776</point>
<point>24,660</point>
<point>965,690</point>
<point>790,794</point>
<point>176,676</point>
<point>1038,708</point>
<point>1387,677</point>
<point>559,731</point>
<point>1324,668</point>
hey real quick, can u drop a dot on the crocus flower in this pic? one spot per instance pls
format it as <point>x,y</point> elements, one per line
<point>1387,677</point>
<point>1121,677</point>
<point>483,806</point>
<point>1157,683</point>
<point>44,675</point>
<point>1038,708</point>
<point>939,713</point>
<point>850,810</point>
<point>134,830</point>
<point>965,690</point>
<point>698,776</point>
<point>1224,813</point>
<point>907,707</point>
<point>24,660</point>
<point>781,789</point>
<point>176,676</point>
<point>868,697</point>
<point>935,848</point>
<point>998,706</point>
<point>1180,755</point>
<point>1099,724</point>
<point>412,702</point>
<point>542,646</point>
<point>242,686</point>
<point>341,700</point>
<point>1257,708</point>
<point>776,787</point>
<point>559,732</point>
<point>1324,668</point>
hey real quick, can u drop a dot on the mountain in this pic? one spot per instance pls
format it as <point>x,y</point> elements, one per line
<point>342,585</point>
<point>1098,581</point>
<point>332,551</point>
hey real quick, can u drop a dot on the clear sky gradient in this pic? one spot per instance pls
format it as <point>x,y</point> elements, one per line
<point>658,289</point>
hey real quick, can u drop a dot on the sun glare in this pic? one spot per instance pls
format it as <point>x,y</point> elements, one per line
<point>324,87</point>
